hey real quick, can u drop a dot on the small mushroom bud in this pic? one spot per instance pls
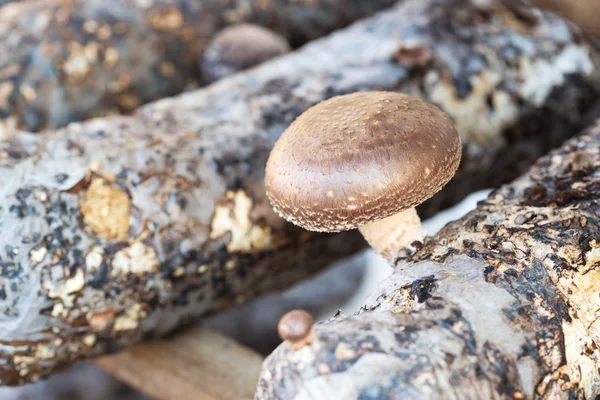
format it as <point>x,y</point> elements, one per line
<point>296,328</point>
<point>363,160</point>
<point>240,47</point>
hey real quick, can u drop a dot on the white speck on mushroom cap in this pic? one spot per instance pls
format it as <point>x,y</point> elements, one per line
<point>360,157</point>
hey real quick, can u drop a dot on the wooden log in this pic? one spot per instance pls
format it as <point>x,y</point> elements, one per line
<point>503,304</point>
<point>70,60</point>
<point>121,229</point>
<point>198,364</point>
<point>584,13</point>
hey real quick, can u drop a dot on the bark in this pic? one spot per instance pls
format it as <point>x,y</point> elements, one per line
<point>71,60</point>
<point>501,304</point>
<point>124,228</point>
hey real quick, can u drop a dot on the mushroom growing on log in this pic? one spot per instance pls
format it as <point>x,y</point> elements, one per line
<point>240,47</point>
<point>120,229</point>
<point>296,328</point>
<point>66,61</point>
<point>501,304</point>
<point>363,160</point>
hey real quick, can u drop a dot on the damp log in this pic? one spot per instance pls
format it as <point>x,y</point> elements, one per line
<point>124,228</point>
<point>71,60</point>
<point>501,304</point>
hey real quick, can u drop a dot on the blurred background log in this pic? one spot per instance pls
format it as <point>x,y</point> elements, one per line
<point>65,61</point>
<point>122,229</point>
<point>502,303</point>
<point>585,13</point>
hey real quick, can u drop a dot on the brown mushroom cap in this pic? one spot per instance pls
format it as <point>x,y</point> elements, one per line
<point>239,47</point>
<point>295,326</point>
<point>360,157</point>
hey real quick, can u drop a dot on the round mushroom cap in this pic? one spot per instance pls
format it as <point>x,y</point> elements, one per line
<point>295,326</point>
<point>360,157</point>
<point>240,47</point>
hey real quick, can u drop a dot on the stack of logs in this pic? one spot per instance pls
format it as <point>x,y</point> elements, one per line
<point>125,228</point>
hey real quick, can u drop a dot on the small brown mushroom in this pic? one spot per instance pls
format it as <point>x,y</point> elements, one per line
<point>240,47</point>
<point>296,328</point>
<point>363,160</point>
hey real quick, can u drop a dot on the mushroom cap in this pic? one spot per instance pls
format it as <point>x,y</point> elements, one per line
<point>295,326</point>
<point>360,157</point>
<point>239,47</point>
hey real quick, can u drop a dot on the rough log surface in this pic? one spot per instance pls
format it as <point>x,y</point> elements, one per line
<point>66,61</point>
<point>124,228</point>
<point>503,303</point>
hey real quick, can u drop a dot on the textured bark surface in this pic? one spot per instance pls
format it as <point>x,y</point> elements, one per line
<point>124,228</point>
<point>502,303</point>
<point>69,60</point>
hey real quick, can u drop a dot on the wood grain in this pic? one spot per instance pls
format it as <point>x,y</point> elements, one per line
<point>198,364</point>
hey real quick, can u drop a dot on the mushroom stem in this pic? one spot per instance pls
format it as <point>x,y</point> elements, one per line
<point>389,234</point>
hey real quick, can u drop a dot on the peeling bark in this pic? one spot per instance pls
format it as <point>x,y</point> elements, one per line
<point>124,228</point>
<point>67,61</point>
<point>501,304</point>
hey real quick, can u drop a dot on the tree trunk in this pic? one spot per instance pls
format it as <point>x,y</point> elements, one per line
<point>124,228</point>
<point>501,304</point>
<point>66,61</point>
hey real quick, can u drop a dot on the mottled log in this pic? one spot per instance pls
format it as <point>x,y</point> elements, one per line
<point>66,61</point>
<point>124,228</point>
<point>501,304</point>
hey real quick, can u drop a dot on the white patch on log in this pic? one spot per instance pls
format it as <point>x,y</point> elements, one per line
<point>482,304</point>
<point>541,76</point>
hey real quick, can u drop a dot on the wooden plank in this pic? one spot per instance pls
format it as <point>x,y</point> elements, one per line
<point>198,364</point>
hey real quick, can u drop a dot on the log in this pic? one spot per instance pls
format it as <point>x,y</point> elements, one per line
<point>122,229</point>
<point>198,364</point>
<point>584,13</point>
<point>501,304</point>
<point>71,60</point>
